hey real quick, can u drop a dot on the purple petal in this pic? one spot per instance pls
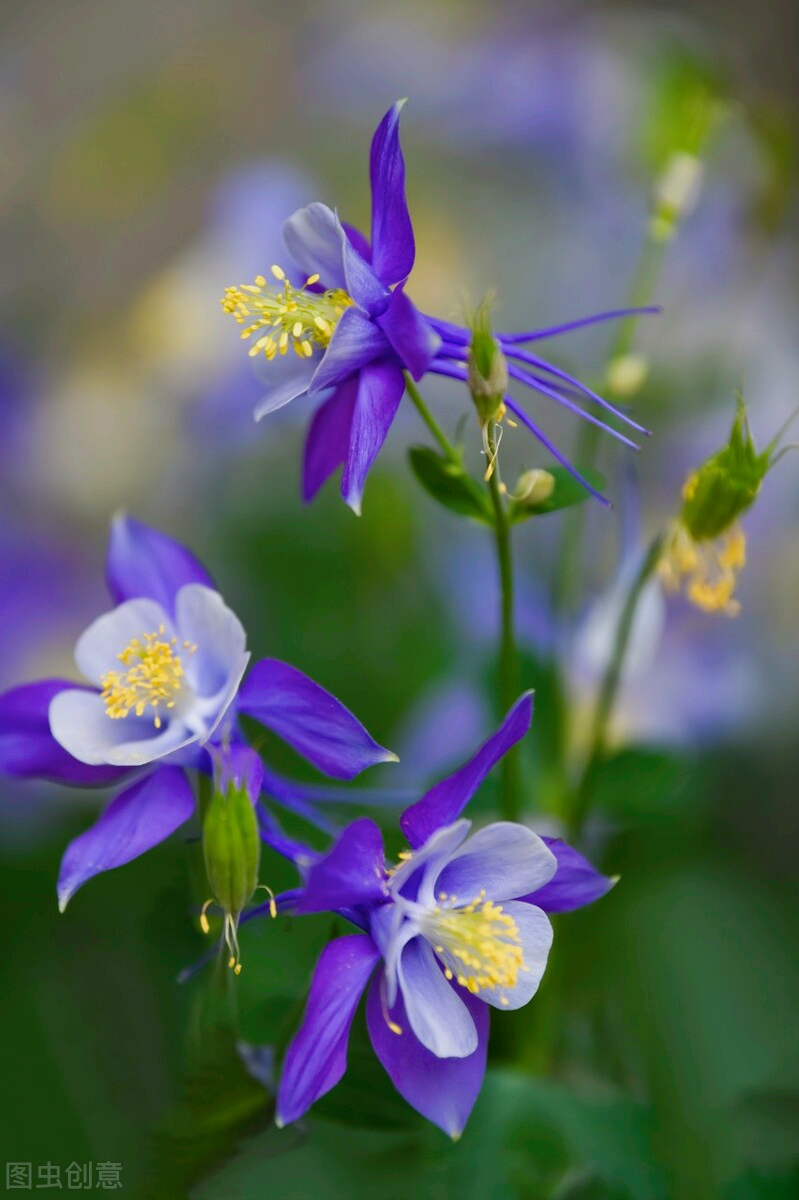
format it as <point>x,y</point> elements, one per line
<point>239,767</point>
<point>355,342</point>
<point>313,239</point>
<point>313,722</point>
<point>446,801</point>
<point>575,884</point>
<point>352,872</point>
<point>442,1089</point>
<point>362,284</point>
<point>380,389</point>
<point>328,437</point>
<point>135,820</point>
<point>317,1056</point>
<point>413,337</point>
<point>393,247</point>
<point>28,748</point>
<point>289,381</point>
<point>142,562</point>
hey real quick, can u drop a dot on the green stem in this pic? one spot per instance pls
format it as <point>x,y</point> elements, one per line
<point>610,685</point>
<point>508,663</point>
<point>588,436</point>
<point>432,424</point>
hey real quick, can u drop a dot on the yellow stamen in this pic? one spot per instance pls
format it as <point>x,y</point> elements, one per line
<point>153,679</point>
<point>478,944</point>
<point>299,318</point>
<point>707,571</point>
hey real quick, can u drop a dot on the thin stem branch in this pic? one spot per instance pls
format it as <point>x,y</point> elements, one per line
<point>610,685</point>
<point>432,424</point>
<point>508,663</point>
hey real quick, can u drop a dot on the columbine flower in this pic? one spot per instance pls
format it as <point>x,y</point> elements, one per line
<point>705,547</point>
<point>165,670</point>
<point>458,925</point>
<point>346,327</point>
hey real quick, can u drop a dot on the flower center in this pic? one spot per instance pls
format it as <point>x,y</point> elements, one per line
<point>285,316</point>
<point>153,678</point>
<point>708,570</point>
<point>478,943</point>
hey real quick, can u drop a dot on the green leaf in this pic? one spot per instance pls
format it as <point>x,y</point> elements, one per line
<point>451,485</point>
<point>567,492</point>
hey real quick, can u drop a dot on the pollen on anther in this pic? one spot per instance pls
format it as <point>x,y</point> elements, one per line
<point>278,272</point>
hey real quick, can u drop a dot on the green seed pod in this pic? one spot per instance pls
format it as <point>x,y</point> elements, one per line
<point>488,370</point>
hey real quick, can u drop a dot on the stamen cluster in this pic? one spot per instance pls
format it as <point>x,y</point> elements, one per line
<point>707,569</point>
<point>478,943</point>
<point>153,679</point>
<point>285,317</point>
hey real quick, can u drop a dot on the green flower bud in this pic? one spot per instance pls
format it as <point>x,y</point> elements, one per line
<point>726,484</point>
<point>231,841</point>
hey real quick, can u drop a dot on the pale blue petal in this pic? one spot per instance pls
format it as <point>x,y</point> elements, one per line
<point>98,648</point>
<point>501,860</point>
<point>535,933</point>
<point>436,1013</point>
<point>313,238</point>
<point>79,722</point>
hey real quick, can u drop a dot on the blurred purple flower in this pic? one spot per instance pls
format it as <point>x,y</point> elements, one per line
<point>458,925</point>
<point>175,697</point>
<point>357,336</point>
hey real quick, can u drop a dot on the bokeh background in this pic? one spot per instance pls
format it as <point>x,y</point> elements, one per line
<point>148,156</point>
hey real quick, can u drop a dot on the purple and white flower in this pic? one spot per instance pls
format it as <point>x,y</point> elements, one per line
<point>165,671</point>
<point>459,926</point>
<point>354,331</point>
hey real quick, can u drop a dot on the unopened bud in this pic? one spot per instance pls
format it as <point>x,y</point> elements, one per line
<point>487,369</point>
<point>677,193</point>
<point>627,374</point>
<point>231,840</point>
<point>534,487</point>
<point>725,485</point>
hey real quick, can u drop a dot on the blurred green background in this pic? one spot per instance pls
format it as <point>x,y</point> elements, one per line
<point>148,155</point>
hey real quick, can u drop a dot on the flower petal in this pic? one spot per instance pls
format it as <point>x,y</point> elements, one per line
<point>328,437</point>
<point>80,724</point>
<point>352,872</point>
<point>313,722</point>
<point>356,341</point>
<point>358,241</point>
<point>141,561</point>
<point>535,934</point>
<point>442,1089</point>
<point>293,381</point>
<point>27,746</point>
<point>500,859</point>
<point>362,284</point>
<point>393,248</point>
<point>447,800</point>
<point>204,620</point>
<point>380,389</point>
<point>411,335</point>
<point>575,883</point>
<point>317,1055</point>
<point>138,818</point>
<point>313,239</point>
<point>436,1013</point>
<point>98,647</point>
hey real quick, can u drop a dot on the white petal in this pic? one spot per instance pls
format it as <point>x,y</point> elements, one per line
<point>436,1013</point>
<point>535,933</point>
<point>313,238</point>
<point>80,723</point>
<point>99,646</point>
<point>434,853</point>
<point>287,384</point>
<point>505,860</point>
<point>215,669</point>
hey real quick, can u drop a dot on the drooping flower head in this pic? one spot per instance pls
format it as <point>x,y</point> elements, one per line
<point>457,927</point>
<point>705,548</point>
<point>165,670</point>
<point>343,329</point>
